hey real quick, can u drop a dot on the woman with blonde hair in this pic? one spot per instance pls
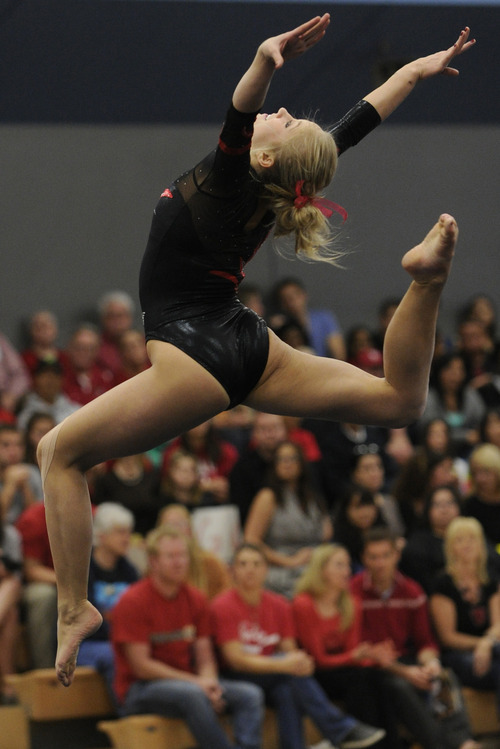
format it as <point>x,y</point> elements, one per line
<point>465,607</point>
<point>208,352</point>
<point>206,571</point>
<point>484,501</point>
<point>328,624</point>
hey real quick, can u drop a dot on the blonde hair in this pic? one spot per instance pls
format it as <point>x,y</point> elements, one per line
<point>310,154</point>
<point>311,581</point>
<point>155,536</point>
<point>485,456</point>
<point>457,527</point>
<point>168,486</point>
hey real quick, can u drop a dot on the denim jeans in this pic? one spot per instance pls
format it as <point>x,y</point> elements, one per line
<point>294,696</point>
<point>174,698</point>
<point>461,661</point>
<point>99,655</point>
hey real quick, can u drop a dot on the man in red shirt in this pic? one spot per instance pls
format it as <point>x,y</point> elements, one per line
<point>255,633</point>
<point>394,608</point>
<point>164,657</point>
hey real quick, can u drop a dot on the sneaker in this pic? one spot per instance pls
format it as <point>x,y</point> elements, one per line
<point>362,735</point>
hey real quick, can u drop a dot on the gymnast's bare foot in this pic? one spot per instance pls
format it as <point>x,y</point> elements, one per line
<point>74,626</point>
<point>430,261</point>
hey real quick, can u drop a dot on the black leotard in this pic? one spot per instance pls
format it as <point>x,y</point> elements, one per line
<point>201,237</point>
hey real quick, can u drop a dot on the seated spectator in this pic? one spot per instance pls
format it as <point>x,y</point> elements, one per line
<point>10,594</point>
<point>451,399</point>
<point>359,338</point>
<point>207,572</point>
<point>251,296</point>
<point>367,472</point>
<point>133,483</point>
<point>181,484</point>
<point>394,608</point>
<point>40,593</point>
<point>46,395</point>
<point>116,312</point>
<point>321,325</point>
<point>385,312</point>
<point>481,309</point>
<point>249,473</point>
<point>134,355</point>
<point>110,574</point>
<point>288,518</point>
<point>289,330</point>
<point>39,424</point>
<point>20,482</point>
<point>14,377</point>
<point>423,554</point>
<point>328,623</point>
<point>255,634</point>
<point>235,426</point>
<point>164,658</point>
<point>338,443</point>
<point>357,513</point>
<point>43,331</point>
<point>481,358</point>
<point>490,427</point>
<point>465,608</point>
<point>215,458</point>
<point>83,378</point>
<point>484,501</point>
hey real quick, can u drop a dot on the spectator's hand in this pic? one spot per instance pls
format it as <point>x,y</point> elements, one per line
<point>297,663</point>
<point>433,668</point>
<point>416,675</point>
<point>384,653</point>
<point>481,660</point>
<point>17,475</point>
<point>213,691</point>
<point>218,486</point>
<point>301,557</point>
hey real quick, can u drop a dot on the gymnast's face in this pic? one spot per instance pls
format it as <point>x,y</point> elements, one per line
<point>271,130</point>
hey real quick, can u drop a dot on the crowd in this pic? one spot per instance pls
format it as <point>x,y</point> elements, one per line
<point>365,565</point>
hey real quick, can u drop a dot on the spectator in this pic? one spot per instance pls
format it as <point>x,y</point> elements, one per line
<point>250,470</point>
<point>164,658</point>
<point>395,609</point>
<point>367,472</point>
<point>20,482</point>
<point>465,608</point>
<point>357,513</point>
<point>38,425</point>
<point>14,377</point>
<point>423,555</point>
<point>110,575</point>
<point>481,309</point>
<point>83,378</point>
<point>490,427</point>
<point>46,395</point>
<point>40,594</point>
<point>251,296</point>
<point>10,595</point>
<point>451,399</point>
<point>359,338</point>
<point>236,425</point>
<point>182,482</point>
<point>215,457</point>
<point>133,483</point>
<point>43,331</point>
<point>134,355</point>
<point>116,311</point>
<point>288,517</point>
<point>386,311</point>
<point>207,572</point>
<point>254,631</point>
<point>328,623</point>
<point>484,501</point>
<point>320,325</point>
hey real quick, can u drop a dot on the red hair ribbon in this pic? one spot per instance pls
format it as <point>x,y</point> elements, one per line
<point>327,207</point>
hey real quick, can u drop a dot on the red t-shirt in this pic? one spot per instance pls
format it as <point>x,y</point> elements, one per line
<point>208,469</point>
<point>402,615</point>
<point>323,638</point>
<point>259,629</point>
<point>32,526</point>
<point>169,626</point>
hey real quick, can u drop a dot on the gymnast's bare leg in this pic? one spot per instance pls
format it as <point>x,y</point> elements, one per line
<point>173,395</point>
<point>295,383</point>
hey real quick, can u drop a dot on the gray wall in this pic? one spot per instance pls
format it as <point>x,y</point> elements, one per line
<point>77,201</point>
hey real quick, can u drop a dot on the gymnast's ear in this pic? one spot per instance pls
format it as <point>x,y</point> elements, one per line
<point>264,159</point>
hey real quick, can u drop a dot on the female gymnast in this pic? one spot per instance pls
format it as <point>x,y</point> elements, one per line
<point>208,352</point>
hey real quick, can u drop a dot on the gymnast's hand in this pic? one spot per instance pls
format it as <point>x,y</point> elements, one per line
<point>294,43</point>
<point>439,61</point>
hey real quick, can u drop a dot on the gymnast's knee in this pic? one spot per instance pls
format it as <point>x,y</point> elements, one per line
<point>46,450</point>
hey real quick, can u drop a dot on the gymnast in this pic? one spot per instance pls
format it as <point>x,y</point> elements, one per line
<point>208,351</point>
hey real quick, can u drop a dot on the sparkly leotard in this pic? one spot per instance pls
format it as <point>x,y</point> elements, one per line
<point>201,237</point>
